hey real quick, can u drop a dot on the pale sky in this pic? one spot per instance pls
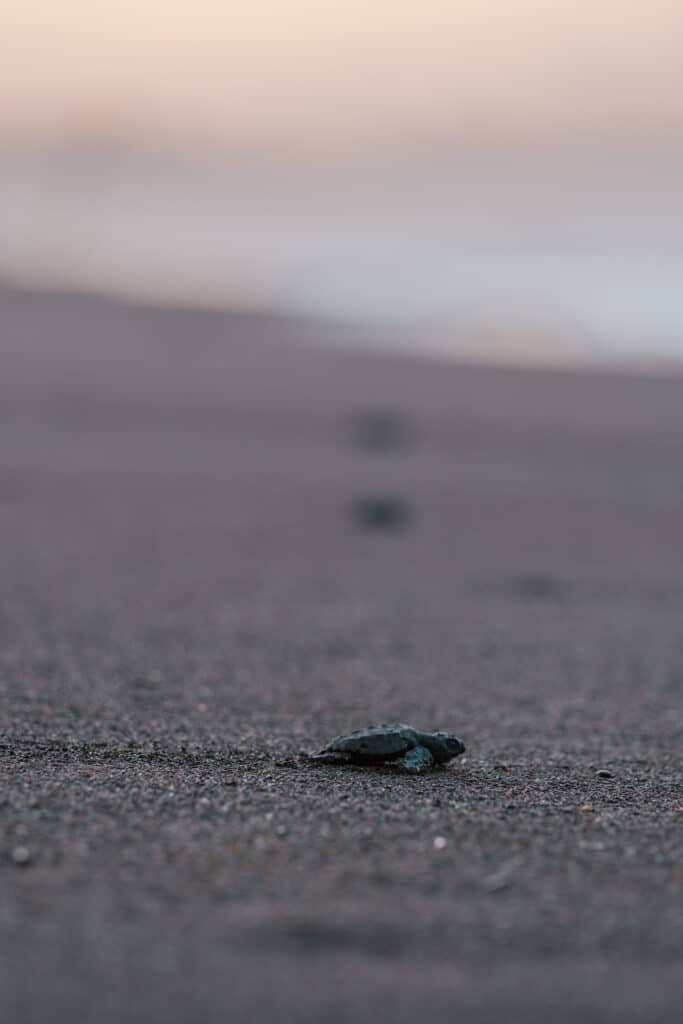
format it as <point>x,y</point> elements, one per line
<point>315,77</point>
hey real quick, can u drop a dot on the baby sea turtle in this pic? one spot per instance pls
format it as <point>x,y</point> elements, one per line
<point>409,748</point>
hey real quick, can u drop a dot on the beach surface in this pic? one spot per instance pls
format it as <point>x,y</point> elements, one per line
<point>187,602</point>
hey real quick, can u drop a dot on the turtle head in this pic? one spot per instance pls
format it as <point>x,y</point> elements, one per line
<point>447,747</point>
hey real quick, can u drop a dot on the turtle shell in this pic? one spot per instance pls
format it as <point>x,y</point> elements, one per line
<point>376,743</point>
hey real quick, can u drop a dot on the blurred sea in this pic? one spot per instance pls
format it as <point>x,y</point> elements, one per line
<point>558,261</point>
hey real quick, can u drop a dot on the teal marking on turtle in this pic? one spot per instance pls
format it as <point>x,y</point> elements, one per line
<point>410,749</point>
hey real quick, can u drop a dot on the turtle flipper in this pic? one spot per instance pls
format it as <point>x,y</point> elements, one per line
<point>329,757</point>
<point>417,760</point>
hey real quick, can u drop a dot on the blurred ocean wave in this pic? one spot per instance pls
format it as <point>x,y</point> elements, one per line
<point>541,261</point>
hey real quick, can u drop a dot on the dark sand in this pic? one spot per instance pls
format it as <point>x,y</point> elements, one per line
<point>187,602</point>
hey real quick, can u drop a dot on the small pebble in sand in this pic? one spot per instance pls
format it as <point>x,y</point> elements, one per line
<point>21,855</point>
<point>604,773</point>
<point>440,842</point>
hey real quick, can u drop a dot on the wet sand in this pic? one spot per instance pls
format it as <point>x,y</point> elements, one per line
<point>187,603</point>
